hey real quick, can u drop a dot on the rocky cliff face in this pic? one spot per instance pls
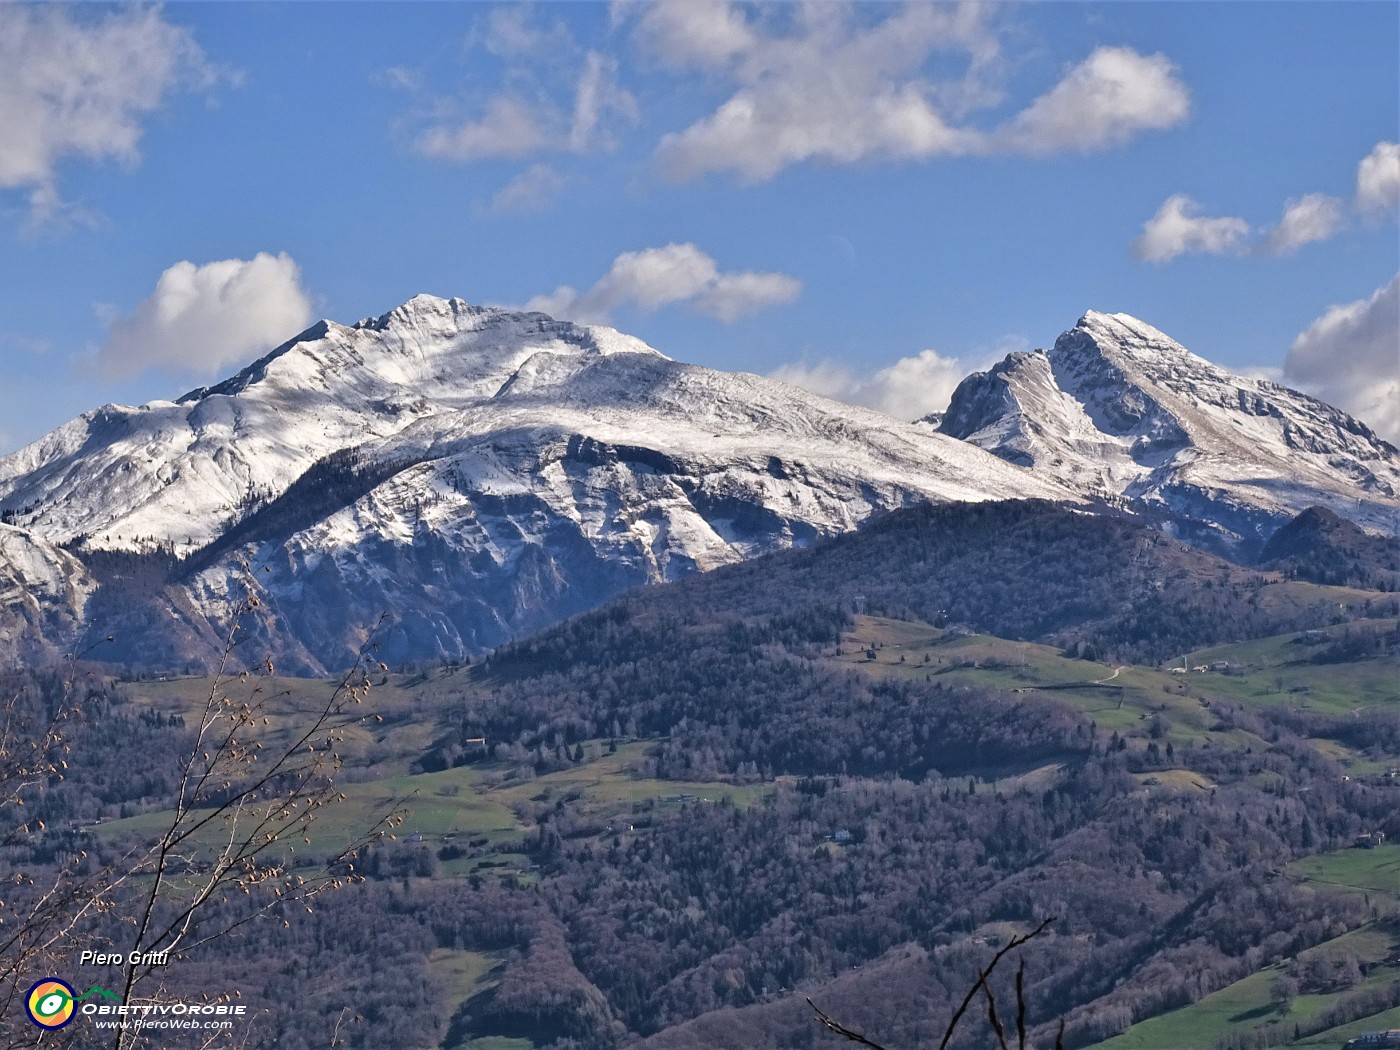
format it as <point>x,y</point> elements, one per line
<point>1117,409</point>
<point>43,592</point>
<point>471,473</point>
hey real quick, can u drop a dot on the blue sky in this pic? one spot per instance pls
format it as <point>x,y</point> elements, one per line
<point>869,199</point>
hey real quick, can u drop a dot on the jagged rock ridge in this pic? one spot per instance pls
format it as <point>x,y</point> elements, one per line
<point>1117,409</point>
<point>474,473</point>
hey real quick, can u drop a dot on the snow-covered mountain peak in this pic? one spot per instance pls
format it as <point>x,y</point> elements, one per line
<point>431,319</point>
<point>424,309</point>
<point>1118,408</point>
<point>1133,344</point>
<point>426,343</point>
<point>477,470</point>
<point>1127,347</point>
<point>482,472</point>
<point>1125,330</point>
<point>179,472</point>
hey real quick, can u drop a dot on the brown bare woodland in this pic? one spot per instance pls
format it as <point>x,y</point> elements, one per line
<point>983,985</point>
<point>249,788</point>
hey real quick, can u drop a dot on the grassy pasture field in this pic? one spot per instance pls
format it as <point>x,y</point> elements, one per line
<point>1277,670</point>
<point>480,802</point>
<point>467,974</point>
<point>1373,872</point>
<point>1267,672</point>
<point>1248,1002</point>
<point>1336,1037</point>
<point>408,710</point>
<point>1117,697</point>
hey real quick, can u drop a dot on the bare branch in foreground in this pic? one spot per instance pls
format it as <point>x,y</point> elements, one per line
<point>983,985</point>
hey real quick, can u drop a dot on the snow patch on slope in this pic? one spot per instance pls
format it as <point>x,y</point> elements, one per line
<point>43,592</point>
<point>477,472</point>
<point>1117,408</point>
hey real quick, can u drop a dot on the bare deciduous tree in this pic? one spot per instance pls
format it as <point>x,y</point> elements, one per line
<point>983,985</point>
<point>249,788</point>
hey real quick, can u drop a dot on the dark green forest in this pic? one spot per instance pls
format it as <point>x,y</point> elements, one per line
<point>881,816</point>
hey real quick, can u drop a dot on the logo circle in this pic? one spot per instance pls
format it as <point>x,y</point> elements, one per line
<point>50,1003</point>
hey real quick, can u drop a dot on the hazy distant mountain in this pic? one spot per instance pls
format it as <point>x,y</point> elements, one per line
<point>1116,408</point>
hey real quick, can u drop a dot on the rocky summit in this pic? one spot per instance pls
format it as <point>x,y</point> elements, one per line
<point>1118,410</point>
<point>464,475</point>
<point>473,473</point>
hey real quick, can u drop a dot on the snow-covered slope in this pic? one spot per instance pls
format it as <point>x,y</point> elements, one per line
<point>474,473</point>
<point>180,472</point>
<point>43,591</point>
<point>1118,409</point>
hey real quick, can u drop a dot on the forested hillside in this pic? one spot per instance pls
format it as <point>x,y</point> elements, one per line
<point>849,773</point>
<point>1323,548</point>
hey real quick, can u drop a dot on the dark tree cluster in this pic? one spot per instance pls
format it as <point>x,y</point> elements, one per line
<point>749,699</point>
<point>1321,547</point>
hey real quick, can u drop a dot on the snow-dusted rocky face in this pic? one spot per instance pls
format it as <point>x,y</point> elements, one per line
<point>43,591</point>
<point>179,472</point>
<point>477,473</point>
<point>1117,408</point>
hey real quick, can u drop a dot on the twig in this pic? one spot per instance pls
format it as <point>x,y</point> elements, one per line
<point>840,1029</point>
<point>1021,1006</point>
<point>983,985</point>
<point>1011,945</point>
<point>992,1018</point>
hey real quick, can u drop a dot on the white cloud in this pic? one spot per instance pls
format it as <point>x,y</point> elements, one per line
<point>832,90</point>
<point>510,127</point>
<point>561,303</point>
<point>652,278</point>
<point>49,211</point>
<point>833,86</point>
<point>909,389</point>
<point>401,78</point>
<point>731,296</point>
<point>509,31</point>
<point>701,34</point>
<point>1176,230</point>
<point>1350,357</point>
<point>1378,180</point>
<point>678,273</point>
<point>1105,100</point>
<point>513,126</point>
<point>201,319</point>
<point>76,85</point>
<point>533,190</point>
<point>1316,217</point>
<point>597,94</point>
<point>560,98</point>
